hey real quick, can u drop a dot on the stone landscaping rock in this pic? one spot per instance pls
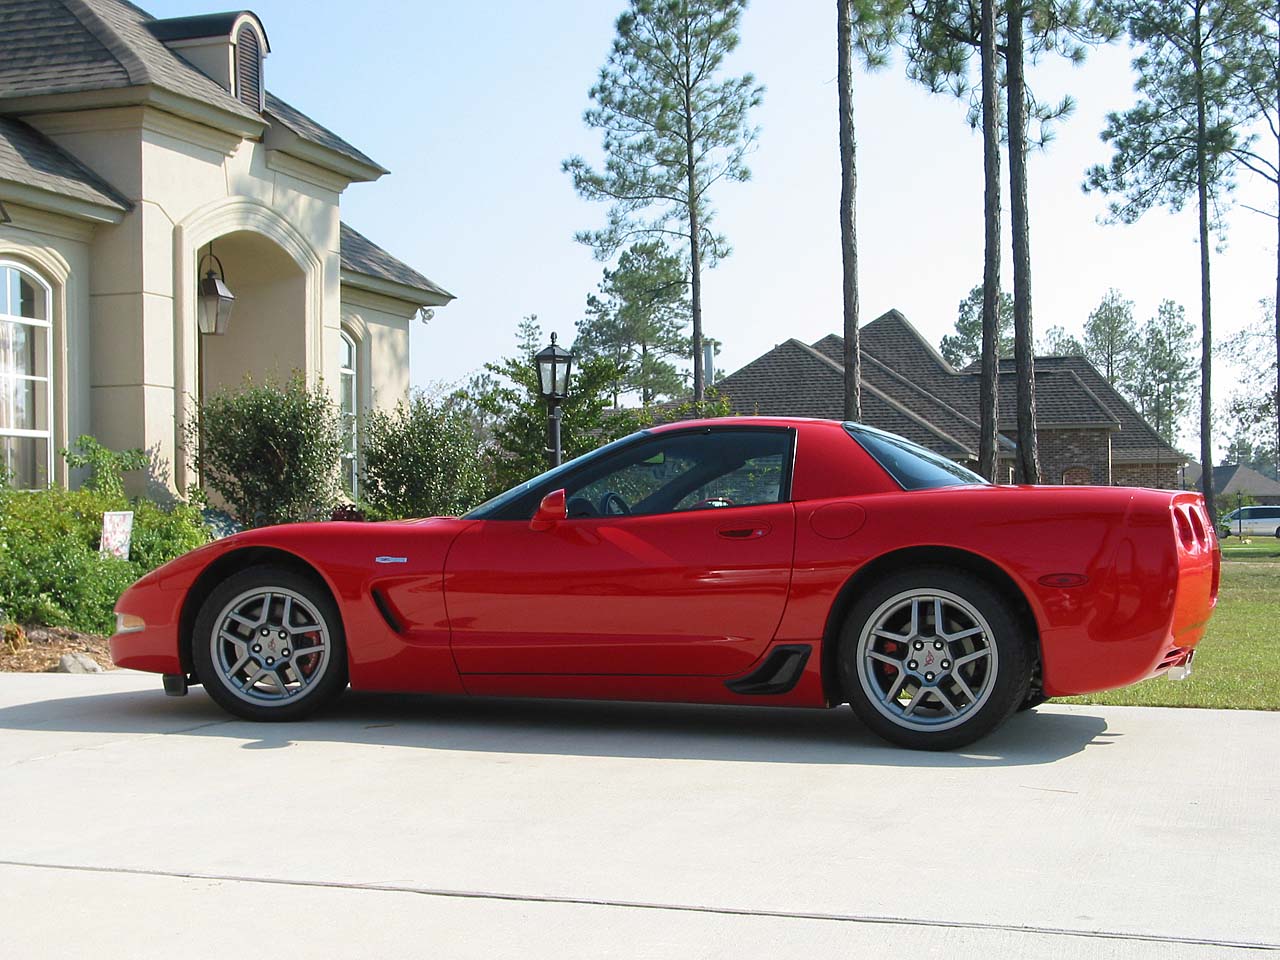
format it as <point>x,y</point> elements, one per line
<point>77,663</point>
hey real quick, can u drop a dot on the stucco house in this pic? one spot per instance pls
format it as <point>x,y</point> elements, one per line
<point>1087,432</point>
<point>132,149</point>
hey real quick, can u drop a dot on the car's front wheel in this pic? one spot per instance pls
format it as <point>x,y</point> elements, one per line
<point>268,644</point>
<point>934,658</point>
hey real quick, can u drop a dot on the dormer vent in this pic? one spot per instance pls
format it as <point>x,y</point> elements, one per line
<point>229,48</point>
<point>248,82</point>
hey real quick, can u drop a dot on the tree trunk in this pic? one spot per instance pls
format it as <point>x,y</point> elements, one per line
<point>848,214</point>
<point>989,391</point>
<point>1023,343</point>
<point>695,252</point>
<point>1276,451</point>
<point>1206,325</point>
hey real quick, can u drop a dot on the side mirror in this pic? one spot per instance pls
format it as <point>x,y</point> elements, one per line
<point>550,511</point>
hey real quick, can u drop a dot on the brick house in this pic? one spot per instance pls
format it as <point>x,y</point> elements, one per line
<point>1088,433</point>
<point>132,149</point>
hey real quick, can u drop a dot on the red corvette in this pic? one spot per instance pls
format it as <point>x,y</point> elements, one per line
<point>740,561</point>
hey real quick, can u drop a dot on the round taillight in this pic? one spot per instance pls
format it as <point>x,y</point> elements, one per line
<point>1185,533</point>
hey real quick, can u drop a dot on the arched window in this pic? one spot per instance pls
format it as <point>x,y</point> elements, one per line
<point>1077,476</point>
<point>249,67</point>
<point>26,387</point>
<point>349,403</point>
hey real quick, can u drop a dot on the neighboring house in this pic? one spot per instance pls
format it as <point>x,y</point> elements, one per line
<point>1088,433</point>
<point>1236,481</point>
<point>130,149</point>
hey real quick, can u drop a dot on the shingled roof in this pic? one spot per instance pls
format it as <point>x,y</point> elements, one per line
<point>909,388</point>
<point>58,47</point>
<point>32,161</point>
<point>363,257</point>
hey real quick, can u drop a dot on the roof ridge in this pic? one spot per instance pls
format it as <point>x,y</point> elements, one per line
<point>911,414</point>
<point>1092,396</point>
<point>921,390</point>
<point>112,42</point>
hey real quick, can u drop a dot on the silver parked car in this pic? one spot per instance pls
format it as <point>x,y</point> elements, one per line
<point>1252,522</point>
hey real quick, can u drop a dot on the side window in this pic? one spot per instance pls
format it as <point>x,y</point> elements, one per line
<point>697,470</point>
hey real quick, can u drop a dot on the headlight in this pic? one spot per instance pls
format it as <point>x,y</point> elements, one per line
<point>128,623</point>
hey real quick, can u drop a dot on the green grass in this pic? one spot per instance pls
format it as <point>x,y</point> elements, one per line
<point>1237,664</point>
<point>1251,548</point>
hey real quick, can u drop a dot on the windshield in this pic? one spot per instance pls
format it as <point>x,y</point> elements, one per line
<point>495,505</point>
<point>914,467</point>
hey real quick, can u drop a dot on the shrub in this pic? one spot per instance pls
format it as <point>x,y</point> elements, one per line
<point>105,465</point>
<point>421,460</point>
<point>270,451</point>
<point>50,570</point>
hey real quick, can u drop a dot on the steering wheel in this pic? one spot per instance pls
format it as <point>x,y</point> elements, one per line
<point>610,500</point>
<point>712,502</point>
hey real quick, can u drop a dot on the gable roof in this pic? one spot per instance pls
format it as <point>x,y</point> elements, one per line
<point>362,258</point>
<point>38,167</point>
<point>1236,478</point>
<point>56,48</point>
<point>903,375</point>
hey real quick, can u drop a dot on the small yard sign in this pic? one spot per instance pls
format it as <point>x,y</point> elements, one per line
<point>117,532</point>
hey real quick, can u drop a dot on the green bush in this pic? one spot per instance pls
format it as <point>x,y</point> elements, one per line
<point>270,451</point>
<point>420,460</point>
<point>50,570</point>
<point>106,466</point>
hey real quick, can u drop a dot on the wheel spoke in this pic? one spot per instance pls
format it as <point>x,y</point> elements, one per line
<point>938,628</point>
<point>964,687</point>
<point>944,698</point>
<point>963,634</point>
<point>243,620</point>
<point>294,623</point>
<point>286,615</point>
<point>971,657</point>
<point>893,691</point>
<point>884,658</point>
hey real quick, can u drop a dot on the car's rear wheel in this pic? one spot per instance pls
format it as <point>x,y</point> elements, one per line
<point>934,658</point>
<point>268,644</point>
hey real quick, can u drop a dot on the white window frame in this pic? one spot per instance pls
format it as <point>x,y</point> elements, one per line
<point>350,461</point>
<point>47,325</point>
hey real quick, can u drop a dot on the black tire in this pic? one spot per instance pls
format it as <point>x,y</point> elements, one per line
<point>1278,533</point>
<point>317,672</point>
<point>999,679</point>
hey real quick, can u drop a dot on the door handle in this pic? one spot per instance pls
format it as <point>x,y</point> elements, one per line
<point>747,531</point>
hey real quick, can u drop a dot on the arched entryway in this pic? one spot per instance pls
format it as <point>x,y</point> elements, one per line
<point>266,336</point>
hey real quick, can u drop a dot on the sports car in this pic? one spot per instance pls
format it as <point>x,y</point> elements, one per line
<point>746,560</point>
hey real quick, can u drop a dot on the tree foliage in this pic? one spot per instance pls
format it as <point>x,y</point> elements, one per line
<point>674,126</point>
<point>965,345</point>
<point>637,321</point>
<point>1163,388</point>
<point>507,406</point>
<point>1252,406</point>
<point>1059,342</point>
<point>1111,338</point>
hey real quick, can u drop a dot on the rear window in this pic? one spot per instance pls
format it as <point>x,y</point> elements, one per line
<point>914,467</point>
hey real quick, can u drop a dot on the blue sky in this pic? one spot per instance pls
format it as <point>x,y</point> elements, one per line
<point>473,106</point>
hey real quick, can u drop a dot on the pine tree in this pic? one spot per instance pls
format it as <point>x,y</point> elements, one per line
<point>673,128</point>
<point>966,345</point>
<point>1111,338</point>
<point>638,320</point>
<point>1176,143</point>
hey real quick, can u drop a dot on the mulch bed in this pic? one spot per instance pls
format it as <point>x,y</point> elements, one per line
<point>39,651</point>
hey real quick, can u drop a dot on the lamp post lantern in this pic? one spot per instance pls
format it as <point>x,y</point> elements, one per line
<point>215,298</point>
<point>554,363</point>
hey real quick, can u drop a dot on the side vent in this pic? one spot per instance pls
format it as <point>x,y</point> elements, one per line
<point>388,614</point>
<point>248,68</point>
<point>779,673</point>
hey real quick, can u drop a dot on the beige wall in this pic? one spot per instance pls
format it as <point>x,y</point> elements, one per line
<point>380,327</point>
<point>191,184</point>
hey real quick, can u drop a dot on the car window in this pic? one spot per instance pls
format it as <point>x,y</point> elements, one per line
<point>914,467</point>
<point>694,470</point>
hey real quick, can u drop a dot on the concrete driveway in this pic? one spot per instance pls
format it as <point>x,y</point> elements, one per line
<point>134,825</point>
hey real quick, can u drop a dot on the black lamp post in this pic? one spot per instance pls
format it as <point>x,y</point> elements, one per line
<point>553,383</point>
<point>215,299</point>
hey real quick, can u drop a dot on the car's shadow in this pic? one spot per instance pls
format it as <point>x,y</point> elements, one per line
<point>573,728</point>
